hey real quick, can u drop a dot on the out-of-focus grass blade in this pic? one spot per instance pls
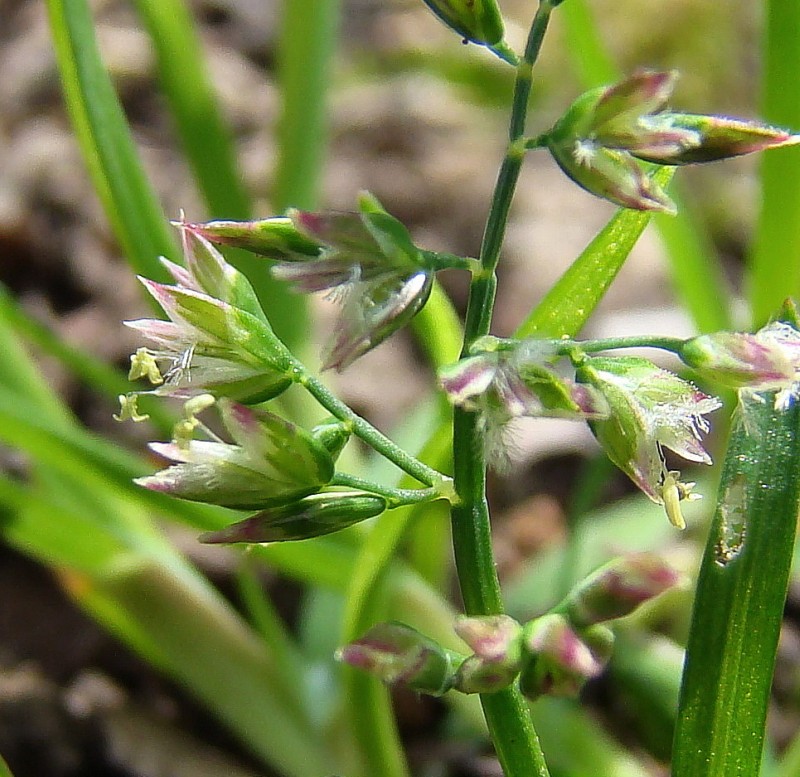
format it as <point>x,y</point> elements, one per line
<point>95,373</point>
<point>368,703</point>
<point>568,304</point>
<point>588,52</point>
<point>185,82</point>
<point>790,762</point>
<point>308,37</point>
<point>309,32</point>
<point>100,376</point>
<point>775,264</point>
<point>696,274</point>
<point>4,770</point>
<point>740,597</point>
<point>698,279</point>
<point>45,531</point>
<point>438,328</point>
<point>645,672</point>
<point>208,648</point>
<point>19,375</point>
<point>576,746</point>
<point>139,588</point>
<point>105,139</point>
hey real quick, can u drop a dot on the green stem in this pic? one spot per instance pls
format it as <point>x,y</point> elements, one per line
<point>674,344</point>
<point>565,347</point>
<point>442,261</point>
<point>365,431</point>
<point>506,713</point>
<point>397,497</point>
<point>539,141</point>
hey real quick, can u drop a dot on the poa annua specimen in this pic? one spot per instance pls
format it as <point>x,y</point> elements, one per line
<point>217,352</point>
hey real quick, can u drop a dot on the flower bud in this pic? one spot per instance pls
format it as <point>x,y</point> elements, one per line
<point>477,675</point>
<point>207,271</point>
<point>596,140</point>
<point>504,383</point>
<point>332,434</point>
<point>365,258</point>
<point>491,637</point>
<point>400,655</point>
<point>312,516</point>
<point>496,661</point>
<point>612,175</point>
<point>518,381</point>
<point>272,462</point>
<point>764,361</point>
<point>600,640</point>
<point>559,662</point>
<point>718,137</point>
<point>277,238</point>
<point>478,21</point>
<point>211,346</point>
<point>618,588</point>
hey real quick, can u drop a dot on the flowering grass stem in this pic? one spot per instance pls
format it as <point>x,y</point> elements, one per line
<point>506,713</point>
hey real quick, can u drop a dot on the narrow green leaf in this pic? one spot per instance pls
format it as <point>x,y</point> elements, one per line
<point>184,79</point>
<point>309,33</point>
<point>105,139</point>
<point>94,372</point>
<point>102,377</point>
<point>438,328</point>
<point>4,770</point>
<point>775,261</point>
<point>269,624</point>
<point>568,304</point>
<point>645,671</point>
<point>790,763</point>
<point>576,746</point>
<point>696,274</point>
<point>368,703</point>
<point>49,532</point>
<point>589,54</point>
<point>204,644</point>
<point>739,601</point>
<point>308,36</point>
<point>19,374</point>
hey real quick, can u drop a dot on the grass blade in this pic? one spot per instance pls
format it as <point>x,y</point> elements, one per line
<point>105,139</point>
<point>4,770</point>
<point>368,703</point>
<point>438,328</point>
<point>568,304</point>
<point>307,43</point>
<point>739,602</point>
<point>775,261</point>
<point>185,83</point>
